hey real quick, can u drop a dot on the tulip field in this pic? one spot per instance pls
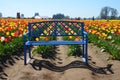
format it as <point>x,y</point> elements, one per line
<point>104,34</point>
<point>11,31</point>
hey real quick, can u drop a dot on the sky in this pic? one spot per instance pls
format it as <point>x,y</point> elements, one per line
<point>72,8</point>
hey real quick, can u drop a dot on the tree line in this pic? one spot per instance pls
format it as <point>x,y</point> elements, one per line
<point>107,13</point>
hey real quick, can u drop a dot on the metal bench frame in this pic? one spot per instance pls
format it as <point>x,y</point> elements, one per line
<point>28,43</point>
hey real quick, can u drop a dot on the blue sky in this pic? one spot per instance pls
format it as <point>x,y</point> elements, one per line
<point>72,8</point>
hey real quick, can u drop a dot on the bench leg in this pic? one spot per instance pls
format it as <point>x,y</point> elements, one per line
<point>29,49</point>
<point>83,55</point>
<point>25,62</point>
<point>86,53</point>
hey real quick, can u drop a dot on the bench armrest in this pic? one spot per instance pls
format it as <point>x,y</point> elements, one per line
<point>25,37</point>
<point>85,36</point>
<point>25,34</point>
<point>84,32</point>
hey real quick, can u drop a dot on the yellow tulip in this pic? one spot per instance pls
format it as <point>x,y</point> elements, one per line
<point>70,37</point>
<point>50,27</point>
<point>103,28</point>
<point>118,30</point>
<point>72,32</point>
<point>7,33</point>
<point>69,33</point>
<point>76,39</point>
<point>12,34</point>
<point>112,31</point>
<point>75,33</point>
<point>93,31</point>
<point>104,35</point>
<point>34,27</point>
<point>37,39</point>
<point>42,37</point>
<point>45,31</point>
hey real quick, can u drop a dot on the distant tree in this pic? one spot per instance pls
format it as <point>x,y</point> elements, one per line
<point>93,18</point>
<point>78,18</point>
<point>114,13</point>
<point>84,18</point>
<point>58,16</point>
<point>98,17</point>
<point>67,17</point>
<point>105,12</point>
<point>18,15</point>
<point>119,17</point>
<point>0,14</point>
<point>22,15</point>
<point>108,13</point>
<point>36,14</point>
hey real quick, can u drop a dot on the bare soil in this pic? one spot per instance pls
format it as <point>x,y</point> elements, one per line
<point>16,70</point>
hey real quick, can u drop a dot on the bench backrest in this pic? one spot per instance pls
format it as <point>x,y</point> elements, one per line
<point>55,28</point>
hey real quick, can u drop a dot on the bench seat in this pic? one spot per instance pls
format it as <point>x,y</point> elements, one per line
<point>54,42</point>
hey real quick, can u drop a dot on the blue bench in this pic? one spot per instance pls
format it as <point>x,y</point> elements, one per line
<point>55,28</point>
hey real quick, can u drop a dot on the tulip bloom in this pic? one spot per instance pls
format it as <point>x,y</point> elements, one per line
<point>47,38</point>
<point>37,39</point>
<point>2,39</point>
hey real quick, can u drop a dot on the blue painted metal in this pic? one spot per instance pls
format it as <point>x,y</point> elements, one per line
<point>86,49</point>
<point>83,55</point>
<point>29,32</point>
<point>83,45</point>
<point>29,51</point>
<point>36,43</point>
<point>24,39</point>
<point>58,28</point>
<point>40,29</point>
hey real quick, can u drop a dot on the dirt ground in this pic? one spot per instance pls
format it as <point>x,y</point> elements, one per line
<point>97,59</point>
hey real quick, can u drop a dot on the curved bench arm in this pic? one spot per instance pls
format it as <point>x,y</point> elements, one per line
<point>84,32</point>
<point>24,36</point>
<point>24,48</point>
<point>25,33</point>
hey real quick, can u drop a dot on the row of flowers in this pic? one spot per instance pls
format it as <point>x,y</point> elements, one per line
<point>106,35</point>
<point>11,28</point>
<point>103,28</point>
<point>107,32</point>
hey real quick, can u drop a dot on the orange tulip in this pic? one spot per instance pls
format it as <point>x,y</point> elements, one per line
<point>47,38</point>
